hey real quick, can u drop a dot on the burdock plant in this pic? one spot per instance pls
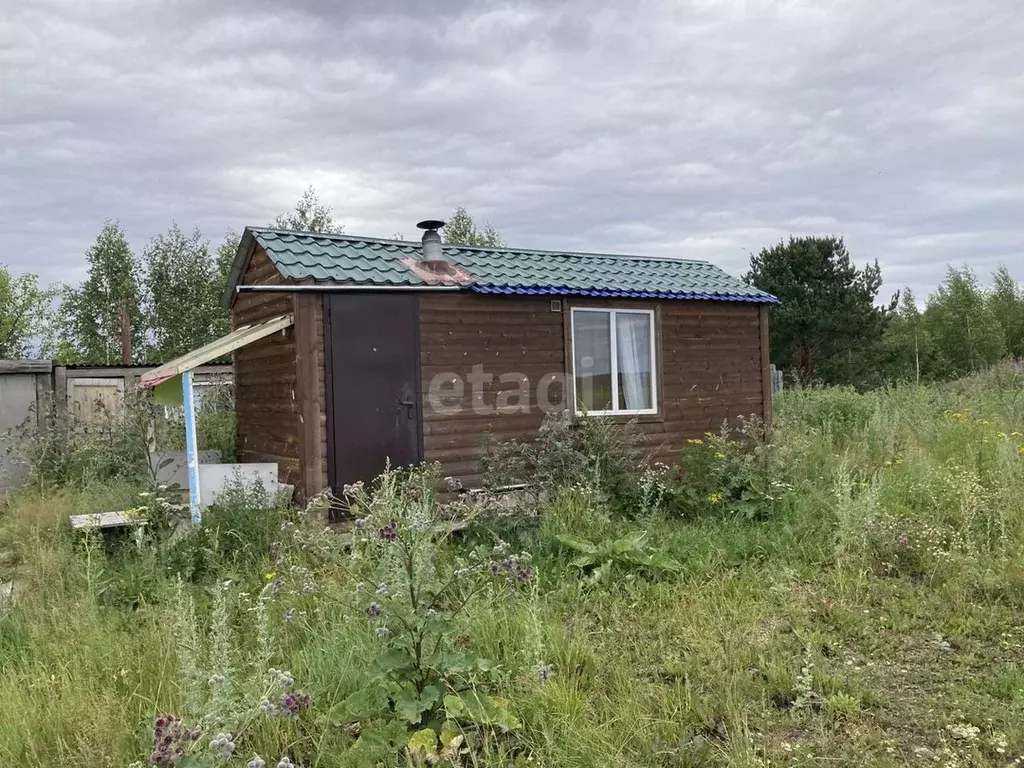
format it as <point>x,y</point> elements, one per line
<point>398,544</point>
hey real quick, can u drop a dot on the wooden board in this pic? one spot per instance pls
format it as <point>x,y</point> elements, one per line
<point>93,400</point>
<point>266,398</point>
<point>104,520</point>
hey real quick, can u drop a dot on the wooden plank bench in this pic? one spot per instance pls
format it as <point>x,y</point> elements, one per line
<point>103,520</point>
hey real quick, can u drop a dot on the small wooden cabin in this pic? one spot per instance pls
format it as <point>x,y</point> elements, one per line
<point>412,351</point>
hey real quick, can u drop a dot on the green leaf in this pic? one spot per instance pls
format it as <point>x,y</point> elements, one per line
<point>407,705</point>
<point>395,660</point>
<point>454,707</point>
<point>363,704</point>
<point>603,574</point>
<point>663,562</point>
<point>481,709</point>
<point>449,662</point>
<point>575,543</point>
<point>424,740</point>
<point>431,696</point>
<point>375,739</point>
<point>436,624</point>
<point>449,733</point>
<point>583,561</point>
<point>410,704</point>
<point>631,542</point>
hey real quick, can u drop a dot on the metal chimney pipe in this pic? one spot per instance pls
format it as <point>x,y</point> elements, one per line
<point>431,239</point>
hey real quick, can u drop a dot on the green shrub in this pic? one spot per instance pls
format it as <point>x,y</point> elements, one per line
<point>737,472</point>
<point>215,423</point>
<point>582,451</point>
<point>238,533</point>
<point>71,452</point>
<point>835,410</point>
<point>412,591</point>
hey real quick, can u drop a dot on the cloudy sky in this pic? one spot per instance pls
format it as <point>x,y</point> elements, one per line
<point>702,129</point>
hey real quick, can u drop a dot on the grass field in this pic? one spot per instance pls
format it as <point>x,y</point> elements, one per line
<point>851,593</point>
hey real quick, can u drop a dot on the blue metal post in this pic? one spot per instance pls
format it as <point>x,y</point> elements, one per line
<point>191,449</point>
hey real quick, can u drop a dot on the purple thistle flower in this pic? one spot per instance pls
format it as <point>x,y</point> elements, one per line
<point>389,532</point>
<point>170,740</point>
<point>523,575</point>
<point>374,611</point>
<point>494,568</point>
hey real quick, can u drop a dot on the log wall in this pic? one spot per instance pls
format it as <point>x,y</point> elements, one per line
<point>709,369</point>
<point>266,404</point>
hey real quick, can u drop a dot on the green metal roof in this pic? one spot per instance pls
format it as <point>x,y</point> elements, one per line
<point>361,260</point>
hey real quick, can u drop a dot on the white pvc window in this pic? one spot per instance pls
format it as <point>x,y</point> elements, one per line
<point>613,361</point>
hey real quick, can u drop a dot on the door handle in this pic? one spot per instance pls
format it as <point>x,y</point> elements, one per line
<point>410,407</point>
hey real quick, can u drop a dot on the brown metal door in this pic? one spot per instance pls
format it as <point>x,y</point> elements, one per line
<point>373,384</point>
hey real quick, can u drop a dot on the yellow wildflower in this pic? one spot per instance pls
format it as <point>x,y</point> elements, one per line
<point>1021,450</point>
<point>708,434</point>
<point>694,441</point>
<point>715,498</point>
<point>719,455</point>
<point>269,575</point>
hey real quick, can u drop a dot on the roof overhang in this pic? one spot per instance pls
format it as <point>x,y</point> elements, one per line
<point>240,337</point>
<point>246,246</point>
<point>612,293</point>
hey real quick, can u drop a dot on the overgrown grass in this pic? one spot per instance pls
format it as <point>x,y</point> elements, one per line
<point>870,611</point>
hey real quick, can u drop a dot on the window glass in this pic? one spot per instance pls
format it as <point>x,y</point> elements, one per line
<point>592,347</point>
<point>633,354</point>
<point>613,364</point>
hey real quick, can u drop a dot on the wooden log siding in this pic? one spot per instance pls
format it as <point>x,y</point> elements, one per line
<point>321,388</point>
<point>266,406</point>
<point>710,368</point>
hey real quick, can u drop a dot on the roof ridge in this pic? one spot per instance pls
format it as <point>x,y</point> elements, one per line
<point>483,248</point>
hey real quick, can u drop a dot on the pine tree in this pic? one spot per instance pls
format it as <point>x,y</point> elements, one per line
<point>827,327</point>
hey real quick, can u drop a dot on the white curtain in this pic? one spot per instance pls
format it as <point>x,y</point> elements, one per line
<point>633,340</point>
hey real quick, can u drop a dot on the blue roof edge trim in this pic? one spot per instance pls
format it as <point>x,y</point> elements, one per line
<point>623,294</point>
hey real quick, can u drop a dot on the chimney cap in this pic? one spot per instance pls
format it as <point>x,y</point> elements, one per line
<point>430,224</point>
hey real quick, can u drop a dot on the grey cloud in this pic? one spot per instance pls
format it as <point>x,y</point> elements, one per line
<point>703,130</point>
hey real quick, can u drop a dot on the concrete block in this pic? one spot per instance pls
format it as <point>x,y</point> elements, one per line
<point>171,467</point>
<point>214,478</point>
